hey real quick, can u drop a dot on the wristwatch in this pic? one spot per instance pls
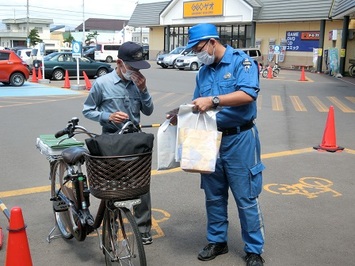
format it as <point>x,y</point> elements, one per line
<point>215,101</point>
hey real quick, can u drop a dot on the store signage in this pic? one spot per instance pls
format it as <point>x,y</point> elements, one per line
<point>203,8</point>
<point>302,41</point>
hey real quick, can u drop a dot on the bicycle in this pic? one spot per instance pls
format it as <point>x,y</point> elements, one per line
<point>110,179</point>
<point>275,70</point>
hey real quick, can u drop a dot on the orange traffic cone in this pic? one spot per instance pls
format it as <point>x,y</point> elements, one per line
<point>87,81</point>
<point>66,81</point>
<point>303,76</point>
<point>329,136</point>
<point>269,72</point>
<point>34,76</point>
<point>18,252</point>
<point>1,237</point>
<point>40,74</point>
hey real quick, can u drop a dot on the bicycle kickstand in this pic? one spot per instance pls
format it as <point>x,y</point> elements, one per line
<point>50,236</point>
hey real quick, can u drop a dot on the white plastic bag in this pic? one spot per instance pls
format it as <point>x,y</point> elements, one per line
<point>187,118</point>
<point>166,141</point>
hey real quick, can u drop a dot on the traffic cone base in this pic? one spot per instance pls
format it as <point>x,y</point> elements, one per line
<point>17,250</point>
<point>303,75</point>
<point>87,81</point>
<point>329,136</point>
<point>66,81</point>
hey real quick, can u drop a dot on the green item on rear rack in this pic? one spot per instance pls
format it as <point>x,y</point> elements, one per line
<point>52,142</point>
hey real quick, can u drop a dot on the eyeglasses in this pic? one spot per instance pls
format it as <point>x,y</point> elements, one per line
<point>199,50</point>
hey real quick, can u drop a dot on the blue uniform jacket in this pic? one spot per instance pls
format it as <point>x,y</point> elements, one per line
<point>236,71</point>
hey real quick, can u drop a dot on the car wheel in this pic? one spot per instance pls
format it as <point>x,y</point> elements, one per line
<point>181,68</point>
<point>174,66</point>
<point>17,79</point>
<point>164,66</point>
<point>101,72</point>
<point>109,59</point>
<point>194,66</point>
<point>58,74</point>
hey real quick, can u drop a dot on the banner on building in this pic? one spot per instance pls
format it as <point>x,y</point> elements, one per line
<point>206,8</point>
<point>302,41</point>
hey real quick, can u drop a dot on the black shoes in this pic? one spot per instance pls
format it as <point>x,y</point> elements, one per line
<point>212,250</point>
<point>146,238</point>
<point>253,259</point>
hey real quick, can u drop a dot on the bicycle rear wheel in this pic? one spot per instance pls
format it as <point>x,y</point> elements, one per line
<point>122,242</point>
<point>63,191</point>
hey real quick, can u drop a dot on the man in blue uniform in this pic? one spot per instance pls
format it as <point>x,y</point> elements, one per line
<point>118,96</point>
<point>229,80</point>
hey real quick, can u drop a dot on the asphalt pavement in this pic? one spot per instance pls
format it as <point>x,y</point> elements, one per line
<point>307,198</point>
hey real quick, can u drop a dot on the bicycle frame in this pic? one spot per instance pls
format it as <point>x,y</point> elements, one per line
<point>120,239</point>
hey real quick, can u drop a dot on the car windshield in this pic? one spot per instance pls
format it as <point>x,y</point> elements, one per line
<point>177,50</point>
<point>51,55</point>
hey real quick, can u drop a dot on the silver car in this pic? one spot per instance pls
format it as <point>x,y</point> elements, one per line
<point>188,62</point>
<point>168,60</point>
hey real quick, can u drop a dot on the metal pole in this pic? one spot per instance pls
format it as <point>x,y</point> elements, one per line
<point>344,41</point>
<point>321,46</point>
<point>27,25</point>
<point>83,24</point>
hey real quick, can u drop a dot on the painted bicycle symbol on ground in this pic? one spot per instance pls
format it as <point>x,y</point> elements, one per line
<point>309,186</point>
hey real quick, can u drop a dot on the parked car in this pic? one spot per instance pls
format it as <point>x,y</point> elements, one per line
<point>90,52</point>
<point>168,60</point>
<point>254,53</point>
<point>188,62</point>
<point>106,52</point>
<point>55,65</point>
<point>13,70</point>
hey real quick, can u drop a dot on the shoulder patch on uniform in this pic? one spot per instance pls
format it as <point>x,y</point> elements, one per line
<point>246,64</point>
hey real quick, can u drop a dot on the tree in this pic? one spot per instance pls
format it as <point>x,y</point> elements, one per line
<point>34,37</point>
<point>91,36</point>
<point>69,38</point>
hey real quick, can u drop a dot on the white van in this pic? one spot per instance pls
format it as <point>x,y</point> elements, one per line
<point>106,52</point>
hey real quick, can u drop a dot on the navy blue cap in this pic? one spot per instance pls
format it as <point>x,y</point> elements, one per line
<point>132,54</point>
<point>201,32</point>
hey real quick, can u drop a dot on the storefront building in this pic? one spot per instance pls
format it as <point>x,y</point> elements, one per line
<point>294,33</point>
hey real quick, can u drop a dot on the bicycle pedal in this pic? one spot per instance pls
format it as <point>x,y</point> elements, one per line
<point>59,205</point>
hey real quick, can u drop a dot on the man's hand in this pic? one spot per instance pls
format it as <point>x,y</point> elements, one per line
<point>139,80</point>
<point>118,117</point>
<point>203,104</point>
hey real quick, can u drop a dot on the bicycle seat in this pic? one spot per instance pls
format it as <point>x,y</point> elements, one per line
<point>73,155</point>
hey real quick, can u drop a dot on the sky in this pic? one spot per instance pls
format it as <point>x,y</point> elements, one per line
<point>69,12</point>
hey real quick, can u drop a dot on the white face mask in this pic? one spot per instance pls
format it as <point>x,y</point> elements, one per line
<point>205,57</point>
<point>128,73</point>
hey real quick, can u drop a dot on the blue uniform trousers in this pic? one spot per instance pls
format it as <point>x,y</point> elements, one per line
<point>239,168</point>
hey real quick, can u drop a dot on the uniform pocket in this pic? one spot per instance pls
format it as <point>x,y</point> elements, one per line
<point>256,179</point>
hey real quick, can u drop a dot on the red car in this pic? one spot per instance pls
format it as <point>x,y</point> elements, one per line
<point>13,71</point>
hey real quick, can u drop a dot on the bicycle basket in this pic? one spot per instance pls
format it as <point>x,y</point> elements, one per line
<point>119,177</point>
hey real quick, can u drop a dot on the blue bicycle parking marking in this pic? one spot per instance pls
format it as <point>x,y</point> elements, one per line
<point>34,89</point>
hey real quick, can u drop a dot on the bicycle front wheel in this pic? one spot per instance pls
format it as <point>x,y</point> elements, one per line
<point>122,242</point>
<point>352,71</point>
<point>62,217</point>
<point>63,192</point>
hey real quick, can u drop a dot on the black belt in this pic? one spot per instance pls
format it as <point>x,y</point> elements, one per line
<point>236,130</point>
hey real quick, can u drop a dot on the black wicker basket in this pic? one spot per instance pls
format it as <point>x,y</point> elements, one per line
<point>119,177</point>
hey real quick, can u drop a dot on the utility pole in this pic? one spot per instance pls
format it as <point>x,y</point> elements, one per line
<point>27,26</point>
<point>83,24</point>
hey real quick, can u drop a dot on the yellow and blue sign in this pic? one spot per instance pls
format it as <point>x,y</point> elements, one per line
<point>203,8</point>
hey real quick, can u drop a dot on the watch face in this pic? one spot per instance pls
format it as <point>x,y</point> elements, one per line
<point>215,101</point>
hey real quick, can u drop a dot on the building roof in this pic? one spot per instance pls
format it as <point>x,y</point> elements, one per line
<point>102,24</point>
<point>293,10</point>
<point>148,14</point>
<point>342,8</point>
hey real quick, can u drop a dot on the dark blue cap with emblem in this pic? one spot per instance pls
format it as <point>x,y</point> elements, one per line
<point>201,32</point>
<point>132,54</point>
